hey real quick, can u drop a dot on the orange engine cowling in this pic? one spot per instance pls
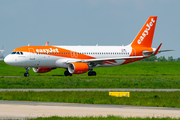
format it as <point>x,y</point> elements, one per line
<point>77,68</point>
<point>41,69</point>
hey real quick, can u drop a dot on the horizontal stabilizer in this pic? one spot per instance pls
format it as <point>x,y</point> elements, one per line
<point>155,52</point>
<point>165,51</point>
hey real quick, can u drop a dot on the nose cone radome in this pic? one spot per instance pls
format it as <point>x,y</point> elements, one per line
<point>7,60</point>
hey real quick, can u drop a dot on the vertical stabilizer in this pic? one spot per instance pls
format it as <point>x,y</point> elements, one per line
<point>145,36</point>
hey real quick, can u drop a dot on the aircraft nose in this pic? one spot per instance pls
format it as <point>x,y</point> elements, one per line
<point>7,60</point>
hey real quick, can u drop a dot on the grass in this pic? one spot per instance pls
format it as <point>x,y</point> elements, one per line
<point>101,117</point>
<point>136,68</point>
<point>134,75</point>
<point>153,98</point>
<point>123,81</point>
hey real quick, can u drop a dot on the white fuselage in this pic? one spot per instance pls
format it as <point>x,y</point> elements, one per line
<point>48,60</point>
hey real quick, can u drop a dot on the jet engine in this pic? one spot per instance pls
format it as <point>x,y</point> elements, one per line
<point>78,68</point>
<point>42,69</point>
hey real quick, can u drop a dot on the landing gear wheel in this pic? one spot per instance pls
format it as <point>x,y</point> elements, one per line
<point>89,73</point>
<point>66,73</point>
<point>26,74</point>
<point>92,73</point>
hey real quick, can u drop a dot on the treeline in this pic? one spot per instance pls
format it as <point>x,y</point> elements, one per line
<point>161,59</point>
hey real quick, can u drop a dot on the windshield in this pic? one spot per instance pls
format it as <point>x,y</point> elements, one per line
<point>19,53</point>
<point>13,53</point>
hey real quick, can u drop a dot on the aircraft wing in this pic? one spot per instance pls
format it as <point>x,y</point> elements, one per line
<point>118,58</point>
<point>101,60</point>
<point>105,59</point>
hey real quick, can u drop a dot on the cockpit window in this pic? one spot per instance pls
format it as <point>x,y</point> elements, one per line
<point>19,53</point>
<point>13,53</point>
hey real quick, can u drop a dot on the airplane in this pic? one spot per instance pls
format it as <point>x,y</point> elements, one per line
<point>81,59</point>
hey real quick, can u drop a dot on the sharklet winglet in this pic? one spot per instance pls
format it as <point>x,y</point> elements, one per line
<point>47,43</point>
<point>157,49</point>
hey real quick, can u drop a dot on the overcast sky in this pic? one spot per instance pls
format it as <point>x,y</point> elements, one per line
<point>87,22</point>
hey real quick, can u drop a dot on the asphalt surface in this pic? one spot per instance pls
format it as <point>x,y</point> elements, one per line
<point>23,110</point>
<point>168,90</point>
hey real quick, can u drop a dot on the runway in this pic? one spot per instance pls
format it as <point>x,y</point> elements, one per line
<point>22,110</point>
<point>92,89</point>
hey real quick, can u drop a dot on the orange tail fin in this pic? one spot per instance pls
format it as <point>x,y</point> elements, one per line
<point>145,36</point>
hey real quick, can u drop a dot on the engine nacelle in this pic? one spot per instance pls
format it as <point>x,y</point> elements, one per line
<point>41,69</point>
<point>78,68</point>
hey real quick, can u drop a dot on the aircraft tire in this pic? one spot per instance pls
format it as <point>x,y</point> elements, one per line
<point>92,73</point>
<point>66,73</point>
<point>26,74</point>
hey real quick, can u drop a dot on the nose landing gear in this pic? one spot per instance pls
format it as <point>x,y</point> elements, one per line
<point>26,74</point>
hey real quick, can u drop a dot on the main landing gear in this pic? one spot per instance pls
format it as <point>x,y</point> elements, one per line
<point>91,73</point>
<point>26,74</point>
<point>66,73</point>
